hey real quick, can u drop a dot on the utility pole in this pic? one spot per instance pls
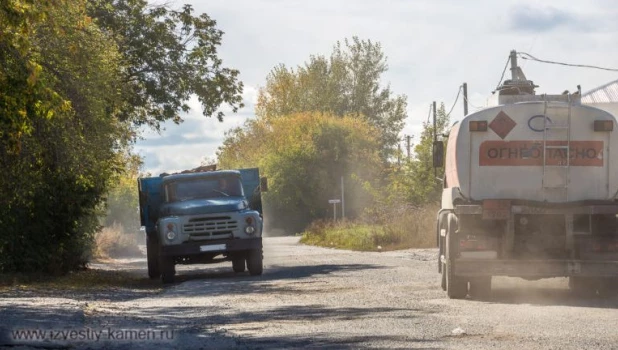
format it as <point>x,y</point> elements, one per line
<point>342,200</point>
<point>408,145</point>
<point>435,136</point>
<point>398,154</point>
<point>465,93</point>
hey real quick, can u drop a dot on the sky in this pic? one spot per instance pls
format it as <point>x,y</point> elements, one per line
<point>432,47</point>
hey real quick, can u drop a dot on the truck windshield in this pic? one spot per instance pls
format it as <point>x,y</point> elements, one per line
<point>204,188</point>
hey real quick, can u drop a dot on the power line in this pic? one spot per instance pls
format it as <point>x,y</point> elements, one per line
<point>454,103</point>
<point>470,104</point>
<point>429,114</point>
<point>527,56</point>
<point>508,59</point>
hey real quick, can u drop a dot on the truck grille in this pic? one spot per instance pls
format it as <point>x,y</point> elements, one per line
<point>210,227</point>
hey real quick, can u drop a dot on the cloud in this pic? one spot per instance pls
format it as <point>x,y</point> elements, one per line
<point>185,145</point>
<point>433,46</point>
<point>541,19</point>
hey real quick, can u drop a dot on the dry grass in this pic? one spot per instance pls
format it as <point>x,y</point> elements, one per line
<point>85,280</point>
<point>414,228</point>
<point>113,242</point>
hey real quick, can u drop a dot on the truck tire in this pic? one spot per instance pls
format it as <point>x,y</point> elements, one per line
<point>608,287</point>
<point>585,287</point>
<point>443,279</point>
<point>441,248</point>
<point>168,270</point>
<point>441,225</point>
<point>238,264</point>
<point>480,288</point>
<point>152,256</point>
<point>255,261</point>
<point>456,287</point>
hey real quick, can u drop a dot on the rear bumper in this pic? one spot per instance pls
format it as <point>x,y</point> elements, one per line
<point>214,246</point>
<point>535,268</point>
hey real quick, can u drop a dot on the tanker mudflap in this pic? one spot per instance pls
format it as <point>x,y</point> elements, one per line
<point>496,209</point>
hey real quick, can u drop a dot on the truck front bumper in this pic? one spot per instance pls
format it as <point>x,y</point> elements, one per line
<point>214,246</point>
<point>535,268</point>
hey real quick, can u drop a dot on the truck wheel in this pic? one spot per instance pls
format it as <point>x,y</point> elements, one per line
<point>608,287</point>
<point>456,287</point>
<point>254,261</point>
<point>441,225</point>
<point>443,279</point>
<point>583,286</point>
<point>441,248</point>
<point>168,270</point>
<point>152,256</point>
<point>238,264</point>
<point>480,288</point>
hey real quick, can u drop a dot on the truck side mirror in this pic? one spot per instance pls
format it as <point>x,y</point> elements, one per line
<point>438,154</point>
<point>263,184</point>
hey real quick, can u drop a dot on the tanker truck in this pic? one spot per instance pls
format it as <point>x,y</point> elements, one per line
<point>530,190</point>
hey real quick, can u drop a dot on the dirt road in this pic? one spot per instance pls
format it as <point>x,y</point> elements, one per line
<point>316,297</point>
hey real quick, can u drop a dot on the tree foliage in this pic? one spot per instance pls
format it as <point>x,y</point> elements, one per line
<point>59,156</point>
<point>122,200</point>
<point>415,181</point>
<point>72,92</point>
<point>304,156</point>
<point>348,83</point>
<point>168,55</point>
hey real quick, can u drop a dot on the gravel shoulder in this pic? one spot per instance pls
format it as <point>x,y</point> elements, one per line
<point>318,297</point>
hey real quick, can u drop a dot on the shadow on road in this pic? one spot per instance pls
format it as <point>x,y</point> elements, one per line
<point>222,281</point>
<point>528,293</point>
<point>327,341</point>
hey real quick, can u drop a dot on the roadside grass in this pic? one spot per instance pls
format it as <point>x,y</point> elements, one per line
<point>415,228</point>
<point>81,281</point>
<point>113,242</point>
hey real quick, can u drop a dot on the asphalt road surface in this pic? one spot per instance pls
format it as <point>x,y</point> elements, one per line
<point>314,297</point>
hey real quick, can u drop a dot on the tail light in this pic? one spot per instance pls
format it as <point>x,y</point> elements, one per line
<point>604,247</point>
<point>478,125</point>
<point>603,125</point>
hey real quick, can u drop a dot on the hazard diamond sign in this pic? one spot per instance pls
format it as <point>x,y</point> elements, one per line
<point>502,124</point>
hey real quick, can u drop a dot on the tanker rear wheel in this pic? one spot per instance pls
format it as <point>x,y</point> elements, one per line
<point>480,288</point>
<point>583,286</point>
<point>456,287</point>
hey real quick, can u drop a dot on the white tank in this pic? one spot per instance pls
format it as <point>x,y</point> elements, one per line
<point>523,156</point>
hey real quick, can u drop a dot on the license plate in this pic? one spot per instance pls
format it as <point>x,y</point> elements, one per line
<point>213,248</point>
<point>496,209</point>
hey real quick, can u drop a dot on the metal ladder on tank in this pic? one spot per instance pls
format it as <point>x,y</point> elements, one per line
<point>553,123</point>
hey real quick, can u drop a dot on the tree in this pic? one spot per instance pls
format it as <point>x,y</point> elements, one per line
<point>122,200</point>
<point>346,84</point>
<point>304,156</point>
<point>415,181</point>
<point>60,155</point>
<point>72,93</point>
<point>168,56</point>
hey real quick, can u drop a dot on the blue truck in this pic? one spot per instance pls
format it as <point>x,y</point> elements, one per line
<point>202,216</point>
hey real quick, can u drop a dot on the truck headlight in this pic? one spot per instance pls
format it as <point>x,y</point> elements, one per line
<point>249,229</point>
<point>171,231</point>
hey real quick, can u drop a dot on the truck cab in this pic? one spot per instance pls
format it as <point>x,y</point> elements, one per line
<point>202,217</point>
